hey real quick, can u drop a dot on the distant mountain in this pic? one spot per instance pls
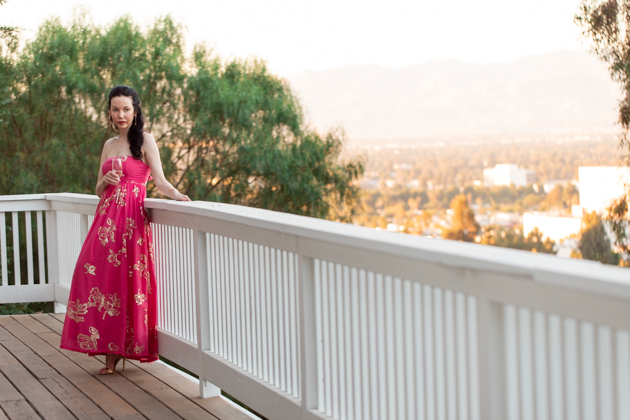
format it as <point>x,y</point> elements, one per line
<point>547,93</point>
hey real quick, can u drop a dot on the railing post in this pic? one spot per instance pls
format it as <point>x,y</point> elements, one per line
<point>206,388</point>
<point>52,253</point>
<point>308,335</point>
<point>491,356</point>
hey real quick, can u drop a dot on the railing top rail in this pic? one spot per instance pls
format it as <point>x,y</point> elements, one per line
<point>23,197</point>
<point>74,198</point>
<point>545,268</point>
<point>582,275</point>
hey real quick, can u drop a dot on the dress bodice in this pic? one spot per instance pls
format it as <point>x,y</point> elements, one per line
<point>133,169</point>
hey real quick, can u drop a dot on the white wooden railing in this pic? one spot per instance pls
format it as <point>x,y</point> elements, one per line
<point>305,318</point>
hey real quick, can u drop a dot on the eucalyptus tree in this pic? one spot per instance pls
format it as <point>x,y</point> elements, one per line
<point>228,130</point>
<point>606,25</point>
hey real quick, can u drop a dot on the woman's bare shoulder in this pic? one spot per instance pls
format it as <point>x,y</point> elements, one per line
<point>148,138</point>
<point>109,142</point>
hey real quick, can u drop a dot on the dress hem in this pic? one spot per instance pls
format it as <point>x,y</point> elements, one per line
<point>141,359</point>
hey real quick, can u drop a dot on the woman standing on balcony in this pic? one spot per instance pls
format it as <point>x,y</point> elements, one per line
<point>112,305</point>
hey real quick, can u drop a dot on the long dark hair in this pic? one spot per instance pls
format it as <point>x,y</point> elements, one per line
<point>134,135</point>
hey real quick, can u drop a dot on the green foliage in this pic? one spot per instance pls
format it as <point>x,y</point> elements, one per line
<point>594,241</point>
<point>606,24</point>
<point>26,308</point>
<point>8,45</point>
<point>464,227</point>
<point>228,131</point>
<point>618,219</point>
<point>514,238</point>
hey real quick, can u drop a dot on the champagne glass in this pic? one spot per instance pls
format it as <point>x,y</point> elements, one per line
<point>117,166</point>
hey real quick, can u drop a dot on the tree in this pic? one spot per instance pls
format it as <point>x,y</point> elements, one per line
<point>464,226</point>
<point>594,242</point>
<point>8,33</point>
<point>513,238</point>
<point>606,23</point>
<point>228,131</point>
<point>8,45</point>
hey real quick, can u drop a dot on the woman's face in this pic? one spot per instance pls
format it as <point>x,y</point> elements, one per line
<point>122,112</point>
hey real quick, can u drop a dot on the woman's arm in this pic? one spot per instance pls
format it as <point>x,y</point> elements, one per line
<point>110,178</point>
<point>152,155</point>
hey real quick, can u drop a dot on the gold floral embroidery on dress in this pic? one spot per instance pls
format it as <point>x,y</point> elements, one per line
<point>136,190</point>
<point>113,347</point>
<point>129,328</point>
<point>146,318</point>
<point>105,204</point>
<point>106,233</point>
<point>151,251</point>
<point>144,272</point>
<point>147,224</point>
<point>138,349</point>
<point>120,195</point>
<point>129,348</point>
<point>90,269</point>
<point>140,241</point>
<point>113,258</point>
<point>140,297</point>
<point>75,309</point>
<point>88,342</point>
<point>131,226</point>
<point>109,303</point>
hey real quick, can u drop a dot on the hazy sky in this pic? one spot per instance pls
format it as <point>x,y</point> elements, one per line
<point>295,35</point>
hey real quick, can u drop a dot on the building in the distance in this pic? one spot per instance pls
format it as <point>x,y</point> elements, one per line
<point>508,174</point>
<point>553,227</point>
<point>601,185</point>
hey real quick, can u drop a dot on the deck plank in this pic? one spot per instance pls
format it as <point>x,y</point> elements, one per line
<point>8,391</point>
<point>45,403</point>
<point>96,393</point>
<point>134,396</point>
<point>216,405</point>
<point>168,396</point>
<point>165,393</point>
<point>49,321</point>
<point>58,317</point>
<point>19,410</point>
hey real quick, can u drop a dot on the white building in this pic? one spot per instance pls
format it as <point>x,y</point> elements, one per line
<point>601,185</point>
<point>508,174</point>
<point>553,227</point>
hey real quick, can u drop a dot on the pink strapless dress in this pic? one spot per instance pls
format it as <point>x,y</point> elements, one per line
<point>113,303</point>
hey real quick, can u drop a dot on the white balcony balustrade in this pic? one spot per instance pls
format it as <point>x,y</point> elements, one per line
<point>301,318</point>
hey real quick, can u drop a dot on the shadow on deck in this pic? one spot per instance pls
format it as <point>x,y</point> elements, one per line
<point>39,380</point>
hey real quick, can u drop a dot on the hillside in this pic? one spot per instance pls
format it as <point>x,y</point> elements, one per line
<point>556,92</point>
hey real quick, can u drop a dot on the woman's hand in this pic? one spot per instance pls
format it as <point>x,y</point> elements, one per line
<point>180,197</point>
<point>111,178</point>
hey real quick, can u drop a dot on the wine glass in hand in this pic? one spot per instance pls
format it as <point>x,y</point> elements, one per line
<point>117,166</point>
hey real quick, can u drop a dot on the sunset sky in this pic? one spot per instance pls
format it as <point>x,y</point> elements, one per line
<point>296,35</point>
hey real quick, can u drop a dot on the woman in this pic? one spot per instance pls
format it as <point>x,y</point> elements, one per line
<point>112,305</point>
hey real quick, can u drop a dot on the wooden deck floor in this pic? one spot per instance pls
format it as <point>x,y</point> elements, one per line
<point>39,380</point>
